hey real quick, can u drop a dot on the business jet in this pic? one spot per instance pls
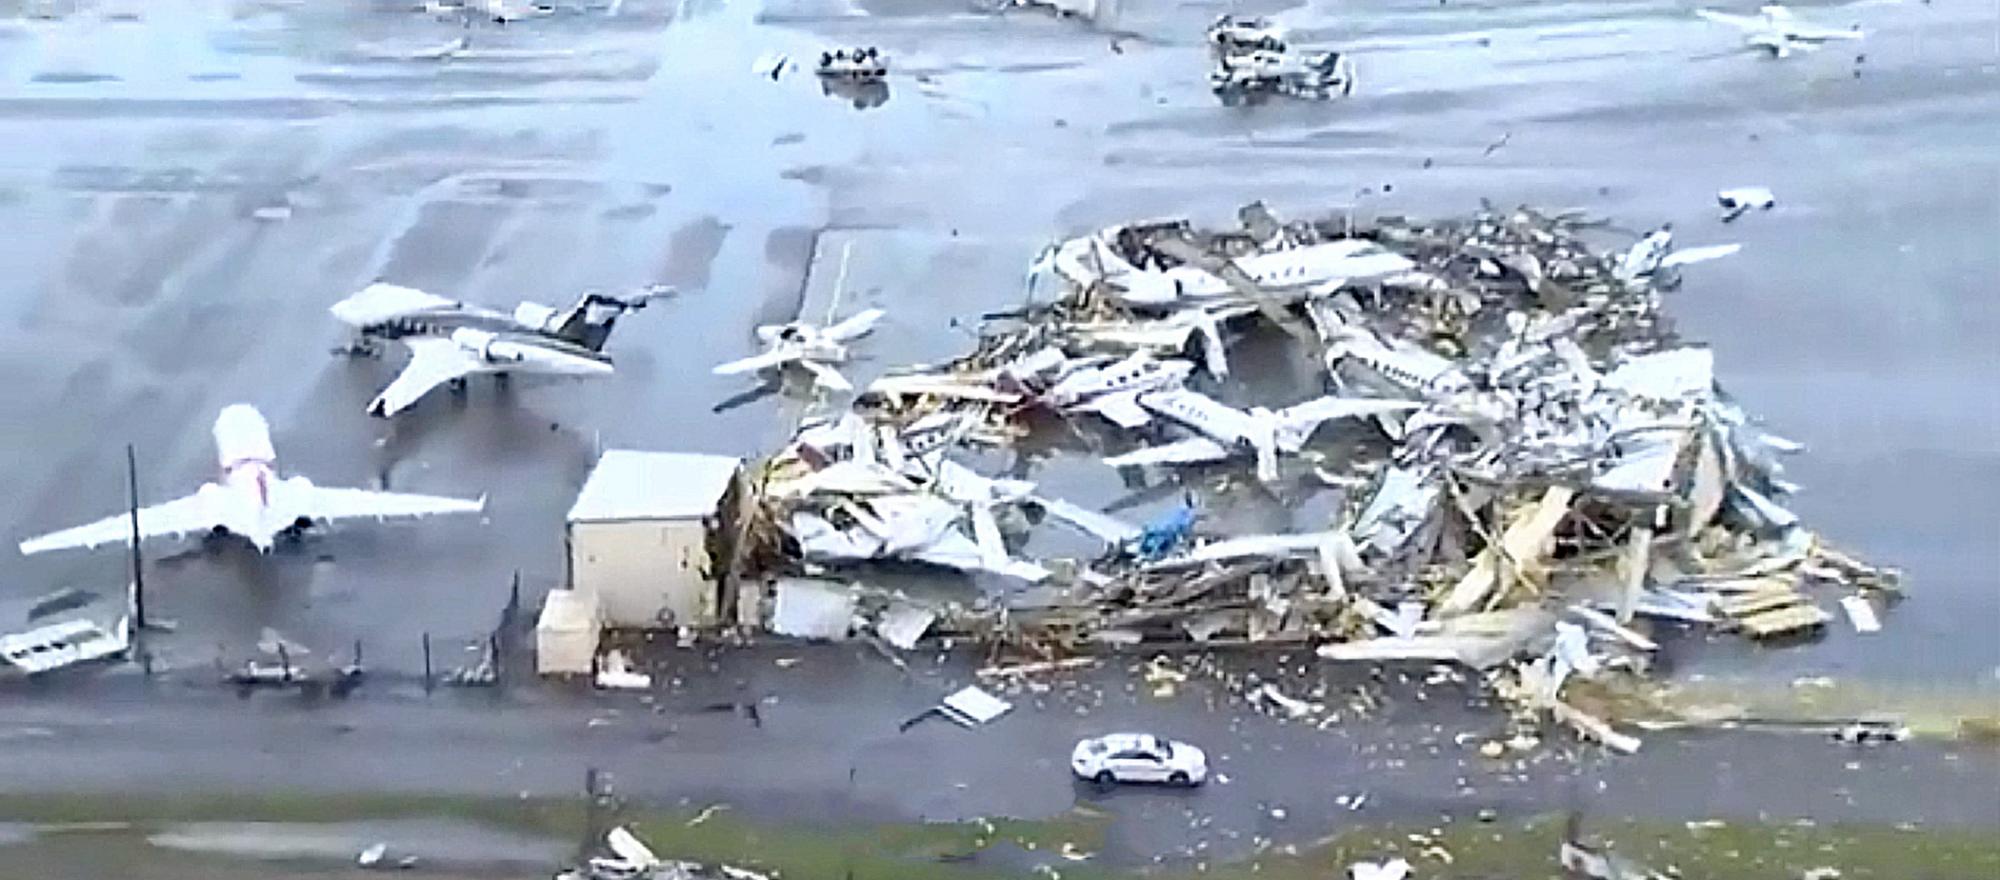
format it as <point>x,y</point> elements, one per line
<point>1174,334</point>
<point>384,311</point>
<point>812,348</point>
<point>1112,390</point>
<point>1397,367</point>
<point>1224,430</point>
<point>450,341</point>
<point>1305,270</point>
<point>250,500</point>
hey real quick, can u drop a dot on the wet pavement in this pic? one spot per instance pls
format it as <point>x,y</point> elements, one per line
<point>189,185</point>
<point>825,741</point>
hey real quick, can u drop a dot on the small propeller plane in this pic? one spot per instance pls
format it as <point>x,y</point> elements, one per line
<point>1776,31</point>
<point>812,348</point>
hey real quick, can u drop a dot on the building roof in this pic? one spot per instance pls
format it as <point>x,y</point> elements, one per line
<point>628,485</point>
<point>568,610</point>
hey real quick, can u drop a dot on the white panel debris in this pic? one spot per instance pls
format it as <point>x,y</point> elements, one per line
<point>903,624</point>
<point>972,706</point>
<point>808,609</point>
<point>1861,614</point>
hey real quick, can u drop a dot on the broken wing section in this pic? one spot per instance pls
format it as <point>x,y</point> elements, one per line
<point>1122,408</point>
<point>181,516</point>
<point>1193,449</point>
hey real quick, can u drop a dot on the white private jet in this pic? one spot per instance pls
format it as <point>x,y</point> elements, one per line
<point>1225,429</point>
<point>500,11</point>
<point>1446,394</point>
<point>250,500</point>
<point>1113,390</point>
<point>812,348</point>
<point>450,340</point>
<point>1309,269</point>
<point>1404,369</point>
<point>1776,31</point>
<point>391,311</point>
<point>1169,335</point>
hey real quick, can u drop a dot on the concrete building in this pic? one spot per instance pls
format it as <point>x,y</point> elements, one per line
<point>649,536</point>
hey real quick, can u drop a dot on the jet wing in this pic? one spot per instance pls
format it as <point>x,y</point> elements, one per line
<point>1192,449</point>
<point>826,375</point>
<point>300,496</point>
<point>1320,409</point>
<point>1699,254</point>
<point>754,362</point>
<point>380,302</point>
<point>1110,529</point>
<point>433,362</point>
<point>1122,409</point>
<point>1741,22</point>
<point>853,325</point>
<point>1820,35</point>
<point>181,516</point>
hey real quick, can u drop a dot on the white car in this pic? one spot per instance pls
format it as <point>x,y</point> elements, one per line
<point>1138,757</point>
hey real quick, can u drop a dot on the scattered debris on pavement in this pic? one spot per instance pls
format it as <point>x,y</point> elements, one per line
<point>1392,869</point>
<point>631,859</point>
<point>861,64</point>
<point>1735,202</point>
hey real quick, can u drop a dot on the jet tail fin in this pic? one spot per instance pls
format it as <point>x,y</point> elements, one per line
<point>588,323</point>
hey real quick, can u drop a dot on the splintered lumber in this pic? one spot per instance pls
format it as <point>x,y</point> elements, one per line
<point>1037,667</point>
<point>1595,728</point>
<point>1795,618</point>
<point>1749,604</point>
<point>1527,540</point>
<point>1637,558</point>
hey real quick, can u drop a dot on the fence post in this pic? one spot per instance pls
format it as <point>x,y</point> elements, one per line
<point>429,682</point>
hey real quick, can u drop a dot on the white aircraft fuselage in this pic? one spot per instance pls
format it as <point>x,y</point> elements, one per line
<point>1088,260</point>
<point>1409,370</point>
<point>242,500</point>
<point>1136,373</point>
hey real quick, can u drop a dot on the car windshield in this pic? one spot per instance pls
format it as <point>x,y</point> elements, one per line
<point>1163,747</point>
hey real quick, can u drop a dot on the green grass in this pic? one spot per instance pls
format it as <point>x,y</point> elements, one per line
<point>1527,851</point>
<point>979,850</point>
<point>539,815</point>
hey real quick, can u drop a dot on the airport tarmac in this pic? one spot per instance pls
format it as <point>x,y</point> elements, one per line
<point>190,184</point>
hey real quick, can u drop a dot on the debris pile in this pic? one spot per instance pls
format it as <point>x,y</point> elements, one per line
<point>1253,59</point>
<point>1526,456</point>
